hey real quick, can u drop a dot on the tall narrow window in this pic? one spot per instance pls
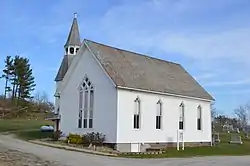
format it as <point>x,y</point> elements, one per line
<point>91,105</point>
<point>85,120</point>
<point>80,108</point>
<point>181,117</point>
<point>87,105</point>
<point>159,115</point>
<point>199,116</point>
<point>137,114</point>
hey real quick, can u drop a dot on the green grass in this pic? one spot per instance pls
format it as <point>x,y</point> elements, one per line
<point>29,130</point>
<point>25,129</point>
<point>21,124</point>
<point>33,134</point>
<point>223,148</point>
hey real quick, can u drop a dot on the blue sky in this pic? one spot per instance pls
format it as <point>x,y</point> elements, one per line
<point>210,38</point>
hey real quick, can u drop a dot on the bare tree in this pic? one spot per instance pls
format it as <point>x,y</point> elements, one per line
<point>242,114</point>
<point>41,100</point>
<point>213,111</point>
<point>40,97</point>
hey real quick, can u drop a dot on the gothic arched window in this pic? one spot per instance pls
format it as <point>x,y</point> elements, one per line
<point>86,103</point>
<point>137,113</point>
<point>199,117</point>
<point>159,114</point>
<point>181,116</point>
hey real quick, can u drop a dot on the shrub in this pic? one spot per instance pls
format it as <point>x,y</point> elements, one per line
<point>56,135</point>
<point>74,139</point>
<point>94,138</point>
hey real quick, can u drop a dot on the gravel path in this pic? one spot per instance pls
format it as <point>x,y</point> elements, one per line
<point>16,158</point>
<point>24,152</point>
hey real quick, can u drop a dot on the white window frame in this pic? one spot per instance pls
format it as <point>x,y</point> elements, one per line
<point>158,115</point>
<point>137,114</point>
<point>87,109</point>
<point>199,118</point>
<point>80,118</point>
<point>181,116</point>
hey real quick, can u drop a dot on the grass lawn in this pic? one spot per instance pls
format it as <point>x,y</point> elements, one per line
<point>21,124</point>
<point>29,129</point>
<point>223,148</point>
<point>25,129</point>
<point>33,134</point>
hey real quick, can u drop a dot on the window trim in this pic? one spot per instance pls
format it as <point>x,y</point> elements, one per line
<point>181,115</point>
<point>137,113</point>
<point>199,118</point>
<point>158,115</point>
<point>87,87</point>
<point>80,109</point>
<point>91,110</point>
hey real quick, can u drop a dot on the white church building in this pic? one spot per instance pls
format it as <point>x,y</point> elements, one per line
<point>136,100</point>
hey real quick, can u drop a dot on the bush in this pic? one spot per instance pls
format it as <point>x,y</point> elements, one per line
<point>56,135</point>
<point>74,139</point>
<point>89,138</point>
<point>94,138</point>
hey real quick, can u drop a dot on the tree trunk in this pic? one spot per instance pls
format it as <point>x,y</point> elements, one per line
<point>13,91</point>
<point>5,88</point>
<point>16,90</point>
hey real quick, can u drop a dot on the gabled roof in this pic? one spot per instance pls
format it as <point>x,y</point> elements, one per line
<point>63,69</point>
<point>74,35</point>
<point>133,70</point>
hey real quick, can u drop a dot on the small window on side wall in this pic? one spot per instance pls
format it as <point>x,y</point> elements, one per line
<point>199,116</point>
<point>181,117</point>
<point>159,115</point>
<point>137,113</point>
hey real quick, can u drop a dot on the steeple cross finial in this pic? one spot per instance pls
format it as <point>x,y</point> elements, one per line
<point>75,15</point>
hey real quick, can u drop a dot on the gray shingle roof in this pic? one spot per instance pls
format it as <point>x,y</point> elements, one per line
<point>132,70</point>
<point>74,35</point>
<point>63,69</point>
<point>73,40</point>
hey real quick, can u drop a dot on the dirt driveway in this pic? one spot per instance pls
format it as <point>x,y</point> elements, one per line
<point>14,152</point>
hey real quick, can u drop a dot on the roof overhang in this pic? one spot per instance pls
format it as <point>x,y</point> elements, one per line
<point>53,118</point>
<point>164,93</point>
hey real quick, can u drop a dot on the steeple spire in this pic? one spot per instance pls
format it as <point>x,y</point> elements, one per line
<point>74,35</point>
<point>71,46</point>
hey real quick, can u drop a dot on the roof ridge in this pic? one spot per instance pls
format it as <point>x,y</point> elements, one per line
<point>170,77</point>
<point>138,54</point>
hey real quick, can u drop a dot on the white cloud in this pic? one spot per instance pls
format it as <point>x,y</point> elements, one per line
<point>172,27</point>
<point>233,92</point>
<point>230,44</point>
<point>233,43</point>
<point>223,83</point>
<point>205,76</point>
<point>217,41</point>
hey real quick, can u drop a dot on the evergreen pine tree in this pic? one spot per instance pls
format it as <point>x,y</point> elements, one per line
<point>18,72</point>
<point>26,81</point>
<point>14,78</point>
<point>7,72</point>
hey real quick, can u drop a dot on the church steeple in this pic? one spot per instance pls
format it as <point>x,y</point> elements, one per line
<point>71,46</point>
<point>73,42</point>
